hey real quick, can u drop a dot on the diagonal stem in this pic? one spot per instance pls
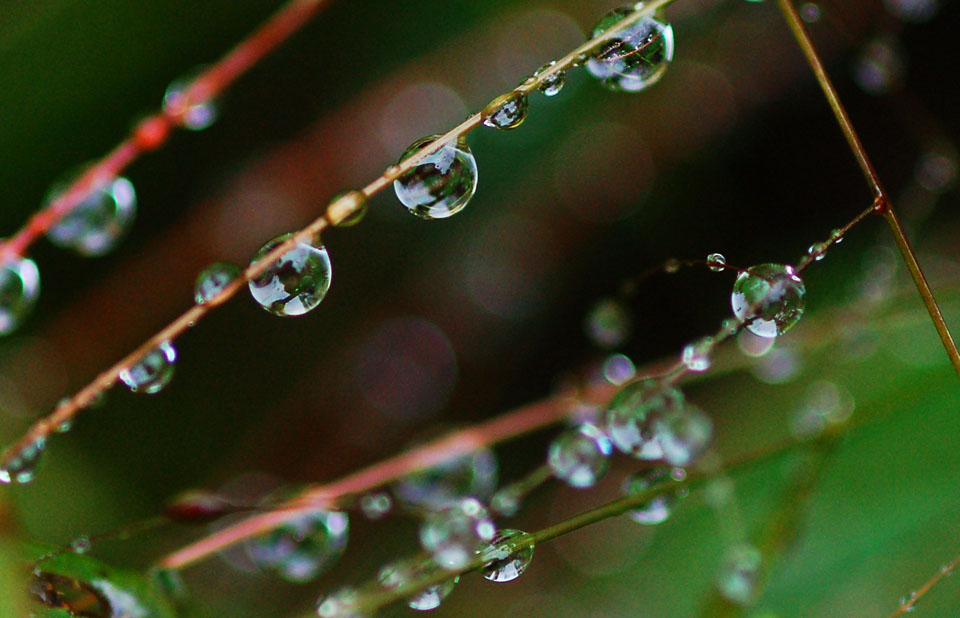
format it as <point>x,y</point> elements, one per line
<point>882,204</point>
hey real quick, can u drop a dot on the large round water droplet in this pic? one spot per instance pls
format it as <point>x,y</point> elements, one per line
<point>195,115</point>
<point>659,508</point>
<point>95,226</point>
<point>580,456</point>
<point>19,289</point>
<point>472,474</point>
<point>508,111</point>
<point>454,534</point>
<point>636,57</point>
<point>212,280</point>
<point>740,574</point>
<point>297,282</point>
<point>770,296</point>
<point>551,85</point>
<point>684,434</point>
<point>402,573</point>
<point>153,372</point>
<point>442,183</point>
<point>629,416</point>
<point>503,562</point>
<point>302,548</point>
<point>340,604</point>
<point>21,467</point>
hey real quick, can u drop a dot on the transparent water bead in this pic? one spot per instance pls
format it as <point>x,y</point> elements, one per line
<point>95,226</point>
<point>213,279</point>
<point>301,549</point>
<point>716,262</point>
<point>376,505</point>
<point>773,293</point>
<point>340,604</point>
<point>474,474</point>
<point>454,534</point>
<point>297,282</point>
<point>153,372</point>
<point>347,208</point>
<point>442,183</point>
<point>19,289</point>
<point>21,467</point>
<point>194,115</point>
<point>508,111</point>
<point>503,563</point>
<point>696,355</point>
<point>580,456</point>
<point>629,416</point>
<point>608,323</point>
<point>399,574</point>
<point>637,56</point>
<point>658,509</point>
<point>739,574</point>
<point>552,85</point>
<point>684,434</point>
<point>818,250</point>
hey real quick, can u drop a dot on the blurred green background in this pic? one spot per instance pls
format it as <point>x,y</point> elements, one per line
<point>434,324</point>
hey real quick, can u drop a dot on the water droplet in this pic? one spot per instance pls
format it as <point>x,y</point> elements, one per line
<point>739,574</point>
<point>909,600</point>
<point>506,502</point>
<point>153,372</point>
<point>194,115</point>
<point>618,369</point>
<point>937,169</point>
<point>304,547</point>
<point>402,573</point>
<point>347,208</point>
<point>552,85</point>
<point>659,508</point>
<point>21,467</point>
<point>456,532</point>
<point>772,295</point>
<point>716,262</point>
<point>912,11</point>
<point>65,426</point>
<point>629,416</point>
<point>671,266</point>
<point>684,434</point>
<point>818,250</point>
<point>295,283</point>
<point>442,183</point>
<point>472,474</point>
<point>212,280</point>
<point>95,225</point>
<point>810,12</point>
<point>198,506</point>
<point>696,355</point>
<point>81,544</point>
<point>580,456</point>
<point>608,324</point>
<point>879,66</point>
<point>376,505</point>
<point>504,563</point>
<point>508,111</point>
<point>636,57</point>
<point>340,604</point>
<point>19,289</point>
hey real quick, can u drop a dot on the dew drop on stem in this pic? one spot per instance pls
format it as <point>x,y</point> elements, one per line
<point>503,563</point>
<point>296,282</point>
<point>19,290</point>
<point>506,112</point>
<point>153,372</point>
<point>580,457</point>
<point>636,57</point>
<point>96,224</point>
<point>442,183</point>
<point>212,280</point>
<point>769,297</point>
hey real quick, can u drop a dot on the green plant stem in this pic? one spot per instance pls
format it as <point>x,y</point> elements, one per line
<point>882,202</point>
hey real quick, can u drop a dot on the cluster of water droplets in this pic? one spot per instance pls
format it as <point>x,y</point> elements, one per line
<point>455,533</point>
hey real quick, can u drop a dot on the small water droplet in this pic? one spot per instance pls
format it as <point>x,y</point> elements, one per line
<point>629,416</point>
<point>810,12</point>
<point>716,262</point>
<point>472,474</point>
<point>740,574</point>
<point>912,11</point>
<point>95,225</point>
<point>442,183</point>
<point>81,544</point>
<point>684,434</point>
<point>376,505</point>
<point>909,601</point>
<point>636,57</point>
<point>304,547</point>
<point>212,280</point>
<point>879,67</point>
<point>194,115</point>
<point>19,289</point>
<point>552,85</point>
<point>21,467</point>
<point>818,250</point>
<point>401,573</point>
<point>580,457</point>
<point>608,323</point>
<point>508,111</point>
<point>295,283</point>
<point>659,508</point>
<point>455,533</point>
<point>503,562</point>
<point>671,266</point>
<point>347,208</point>
<point>505,502</point>
<point>340,604</point>
<point>696,355</point>
<point>772,295</point>
<point>153,372</point>
<point>618,369</point>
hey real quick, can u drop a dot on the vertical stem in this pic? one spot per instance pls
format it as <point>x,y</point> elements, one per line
<point>882,202</point>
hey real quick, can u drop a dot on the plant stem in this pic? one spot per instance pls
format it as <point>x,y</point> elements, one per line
<point>909,604</point>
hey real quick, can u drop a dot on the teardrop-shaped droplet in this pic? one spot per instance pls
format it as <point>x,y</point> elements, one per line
<point>770,297</point>
<point>696,355</point>
<point>580,457</point>
<point>629,416</point>
<point>503,562</point>
<point>195,115</point>
<point>553,84</point>
<point>659,508</point>
<point>347,208</point>
<point>636,57</point>
<point>340,604</point>
<point>454,534</point>
<point>608,324</point>
<point>508,111</point>
<point>295,283</point>
<point>684,434</point>
<point>442,183</point>
<point>472,474</point>
<point>95,225</point>
<point>212,280</point>
<point>401,573</point>
<point>21,467</point>
<point>716,262</point>
<point>153,372</point>
<point>19,289</point>
<point>740,574</point>
<point>304,547</point>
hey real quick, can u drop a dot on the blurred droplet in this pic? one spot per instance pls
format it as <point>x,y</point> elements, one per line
<point>658,508</point>
<point>376,505</point>
<point>300,549</point>
<point>197,506</point>
<point>879,66</point>
<point>399,574</point>
<point>442,183</point>
<point>455,533</point>
<point>580,457</point>
<point>212,280</point>
<point>473,474</point>
<point>295,283</point>
<point>19,289</point>
<point>696,355</point>
<point>551,85</point>
<point>96,224</point>
<point>193,115</point>
<point>769,297</point>
<point>153,372</point>
<point>21,467</point>
<point>503,563</point>
<point>608,323</point>
<point>636,57</point>
<point>629,416</point>
<point>618,369</point>
<point>913,11</point>
<point>684,434</point>
<point>740,574</point>
<point>340,604</point>
<point>811,12</point>
<point>936,170</point>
